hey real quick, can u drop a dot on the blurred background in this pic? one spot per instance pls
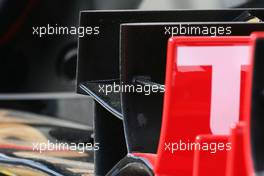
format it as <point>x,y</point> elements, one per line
<point>38,74</point>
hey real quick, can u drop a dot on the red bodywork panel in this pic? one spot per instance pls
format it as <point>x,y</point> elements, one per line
<point>205,123</point>
<point>204,78</point>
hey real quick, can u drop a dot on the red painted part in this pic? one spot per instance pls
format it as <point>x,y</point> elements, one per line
<point>15,147</point>
<point>236,161</point>
<point>187,112</point>
<point>205,161</point>
<point>187,101</point>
